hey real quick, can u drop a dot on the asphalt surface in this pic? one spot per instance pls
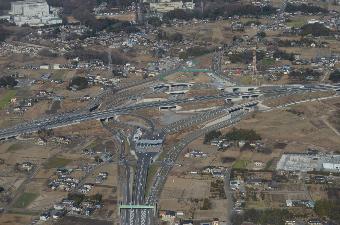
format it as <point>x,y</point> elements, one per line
<point>140,178</point>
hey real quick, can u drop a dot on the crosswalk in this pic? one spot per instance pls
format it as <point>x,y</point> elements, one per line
<point>132,216</point>
<point>143,217</point>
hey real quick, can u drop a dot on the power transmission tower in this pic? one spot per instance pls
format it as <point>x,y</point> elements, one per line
<point>109,56</point>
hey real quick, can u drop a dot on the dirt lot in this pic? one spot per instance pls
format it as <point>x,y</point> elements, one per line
<point>14,219</point>
<point>187,193</point>
<point>300,126</point>
<point>87,129</point>
<point>198,78</point>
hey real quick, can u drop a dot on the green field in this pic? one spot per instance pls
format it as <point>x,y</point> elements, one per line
<point>57,162</point>
<point>25,199</point>
<point>297,23</point>
<point>14,147</point>
<point>268,61</point>
<point>5,100</point>
<point>246,80</point>
<point>240,164</point>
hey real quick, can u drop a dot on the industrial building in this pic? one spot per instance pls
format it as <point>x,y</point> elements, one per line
<point>305,162</point>
<point>33,13</point>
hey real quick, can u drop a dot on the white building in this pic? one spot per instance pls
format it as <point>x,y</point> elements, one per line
<point>332,166</point>
<point>309,162</point>
<point>164,6</point>
<point>33,13</point>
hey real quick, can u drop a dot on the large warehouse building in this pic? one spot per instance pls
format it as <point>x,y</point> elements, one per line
<point>33,13</point>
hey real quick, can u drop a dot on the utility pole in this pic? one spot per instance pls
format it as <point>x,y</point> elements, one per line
<point>254,66</point>
<point>254,62</point>
<point>217,61</point>
<point>202,6</point>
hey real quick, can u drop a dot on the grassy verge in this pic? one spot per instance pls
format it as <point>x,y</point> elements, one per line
<point>151,173</point>
<point>5,100</point>
<point>25,199</point>
<point>57,162</point>
<point>269,165</point>
<point>23,212</point>
<point>162,155</point>
<point>268,61</point>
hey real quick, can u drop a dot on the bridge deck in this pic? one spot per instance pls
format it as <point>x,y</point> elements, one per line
<point>136,207</point>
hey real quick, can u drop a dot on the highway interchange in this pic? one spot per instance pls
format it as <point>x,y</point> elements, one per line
<point>77,117</point>
<point>134,191</point>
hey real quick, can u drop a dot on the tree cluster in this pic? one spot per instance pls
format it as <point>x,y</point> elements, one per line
<point>82,11</point>
<point>4,33</point>
<point>114,26</point>
<point>79,198</point>
<point>261,34</point>
<point>251,10</point>
<point>329,209</point>
<point>335,76</point>
<point>47,53</point>
<point>195,52</point>
<point>89,55</point>
<point>315,29</point>
<point>78,82</point>
<point>228,159</point>
<point>45,133</point>
<point>304,75</point>
<point>303,42</point>
<point>291,8</point>
<point>206,204</point>
<point>208,137</point>
<point>246,57</point>
<point>8,81</point>
<point>267,216</point>
<point>5,4</point>
<point>283,55</point>
<point>225,10</point>
<point>175,37</point>
<point>250,22</point>
<point>242,134</point>
<point>154,21</point>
